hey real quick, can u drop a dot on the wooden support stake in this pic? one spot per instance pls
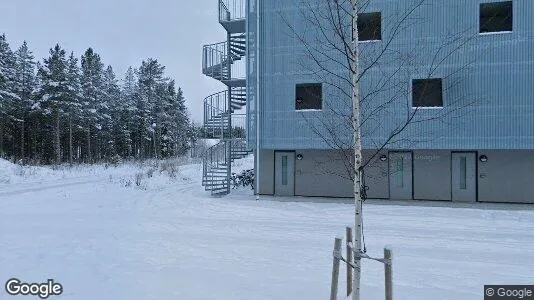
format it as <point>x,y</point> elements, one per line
<point>335,269</point>
<point>388,274</point>
<point>350,257</point>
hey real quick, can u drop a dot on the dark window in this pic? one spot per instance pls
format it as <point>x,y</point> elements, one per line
<point>370,26</point>
<point>427,93</point>
<point>309,96</point>
<point>496,17</point>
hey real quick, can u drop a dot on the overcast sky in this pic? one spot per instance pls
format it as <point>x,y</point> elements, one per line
<point>123,32</point>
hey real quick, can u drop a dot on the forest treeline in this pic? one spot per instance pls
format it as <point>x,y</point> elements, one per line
<point>70,109</point>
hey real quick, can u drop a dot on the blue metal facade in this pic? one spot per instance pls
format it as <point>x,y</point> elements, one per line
<point>252,70</point>
<point>488,78</point>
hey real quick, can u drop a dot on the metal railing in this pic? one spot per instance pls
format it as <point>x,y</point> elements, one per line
<point>231,10</point>
<point>215,105</point>
<point>215,160</point>
<point>214,60</point>
<point>239,148</point>
<point>216,163</point>
<point>217,62</point>
<point>216,114</point>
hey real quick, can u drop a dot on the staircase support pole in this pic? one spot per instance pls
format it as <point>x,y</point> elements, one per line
<point>229,110</point>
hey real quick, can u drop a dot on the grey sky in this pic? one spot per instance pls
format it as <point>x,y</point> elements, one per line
<point>123,32</point>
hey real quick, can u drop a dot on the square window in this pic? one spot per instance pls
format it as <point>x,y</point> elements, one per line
<point>496,17</point>
<point>370,26</point>
<point>309,96</point>
<point>427,92</point>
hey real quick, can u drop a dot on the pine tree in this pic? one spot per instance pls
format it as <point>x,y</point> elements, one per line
<point>183,123</point>
<point>165,115</point>
<point>7,95</point>
<point>74,110</point>
<point>176,123</point>
<point>54,94</point>
<point>92,81</point>
<point>37,117</point>
<point>24,85</point>
<point>150,77</point>
<point>110,111</point>
<point>129,96</point>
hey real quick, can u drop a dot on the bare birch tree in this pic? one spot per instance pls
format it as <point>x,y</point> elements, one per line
<point>371,81</point>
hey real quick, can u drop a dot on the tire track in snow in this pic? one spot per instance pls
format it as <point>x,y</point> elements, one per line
<point>47,187</point>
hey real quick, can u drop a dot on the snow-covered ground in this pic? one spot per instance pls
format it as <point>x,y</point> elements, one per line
<point>137,232</point>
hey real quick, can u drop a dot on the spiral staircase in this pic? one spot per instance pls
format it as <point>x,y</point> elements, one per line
<point>223,107</point>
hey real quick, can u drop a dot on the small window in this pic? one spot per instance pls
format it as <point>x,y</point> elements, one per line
<point>284,170</point>
<point>309,96</point>
<point>400,172</point>
<point>496,17</point>
<point>463,173</point>
<point>427,93</point>
<point>370,26</point>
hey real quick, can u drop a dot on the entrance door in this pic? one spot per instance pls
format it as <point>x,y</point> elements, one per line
<point>464,177</point>
<point>284,170</point>
<point>400,175</point>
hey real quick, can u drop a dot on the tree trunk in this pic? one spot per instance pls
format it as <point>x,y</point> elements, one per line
<point>98,146</point>
<point>34,138</point>
<point>70,139</point>
<point>57,140</point>
<point>88,154</point>
<point>22,154</point>
<point>154,145</point>
<point>129,144</point>
<point>141,149</point>
<point>1,136</point>
<point>357,151</point>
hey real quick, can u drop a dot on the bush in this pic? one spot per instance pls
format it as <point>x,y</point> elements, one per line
<point>169,167</point>
<point>150,172</point>
<point>138,179</point>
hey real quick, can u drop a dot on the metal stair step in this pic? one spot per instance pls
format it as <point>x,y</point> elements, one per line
<point>215,186</point>
<point>218,168</point>
<point>217,174</point>
<point>241,47</point>
<point>211,184</point>
<point>213,181</point>
<point>220,193</point>
<point>237,105</point>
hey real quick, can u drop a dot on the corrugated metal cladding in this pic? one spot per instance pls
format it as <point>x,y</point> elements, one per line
<point>488,79</point>
<point>252,70</point>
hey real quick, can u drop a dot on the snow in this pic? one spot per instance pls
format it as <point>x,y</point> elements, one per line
<point>211,142</point>
<point>9,94</point>
<point>102,236</point>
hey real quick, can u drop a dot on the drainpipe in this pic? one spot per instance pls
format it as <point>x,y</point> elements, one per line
<point>229,111</point>
<point>257,173</point>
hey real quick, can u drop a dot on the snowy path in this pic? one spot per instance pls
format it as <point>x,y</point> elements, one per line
<point>22,188</point>
<point>102,240</point>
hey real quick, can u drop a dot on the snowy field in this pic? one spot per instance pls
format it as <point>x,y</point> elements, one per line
<point>151,232</point>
